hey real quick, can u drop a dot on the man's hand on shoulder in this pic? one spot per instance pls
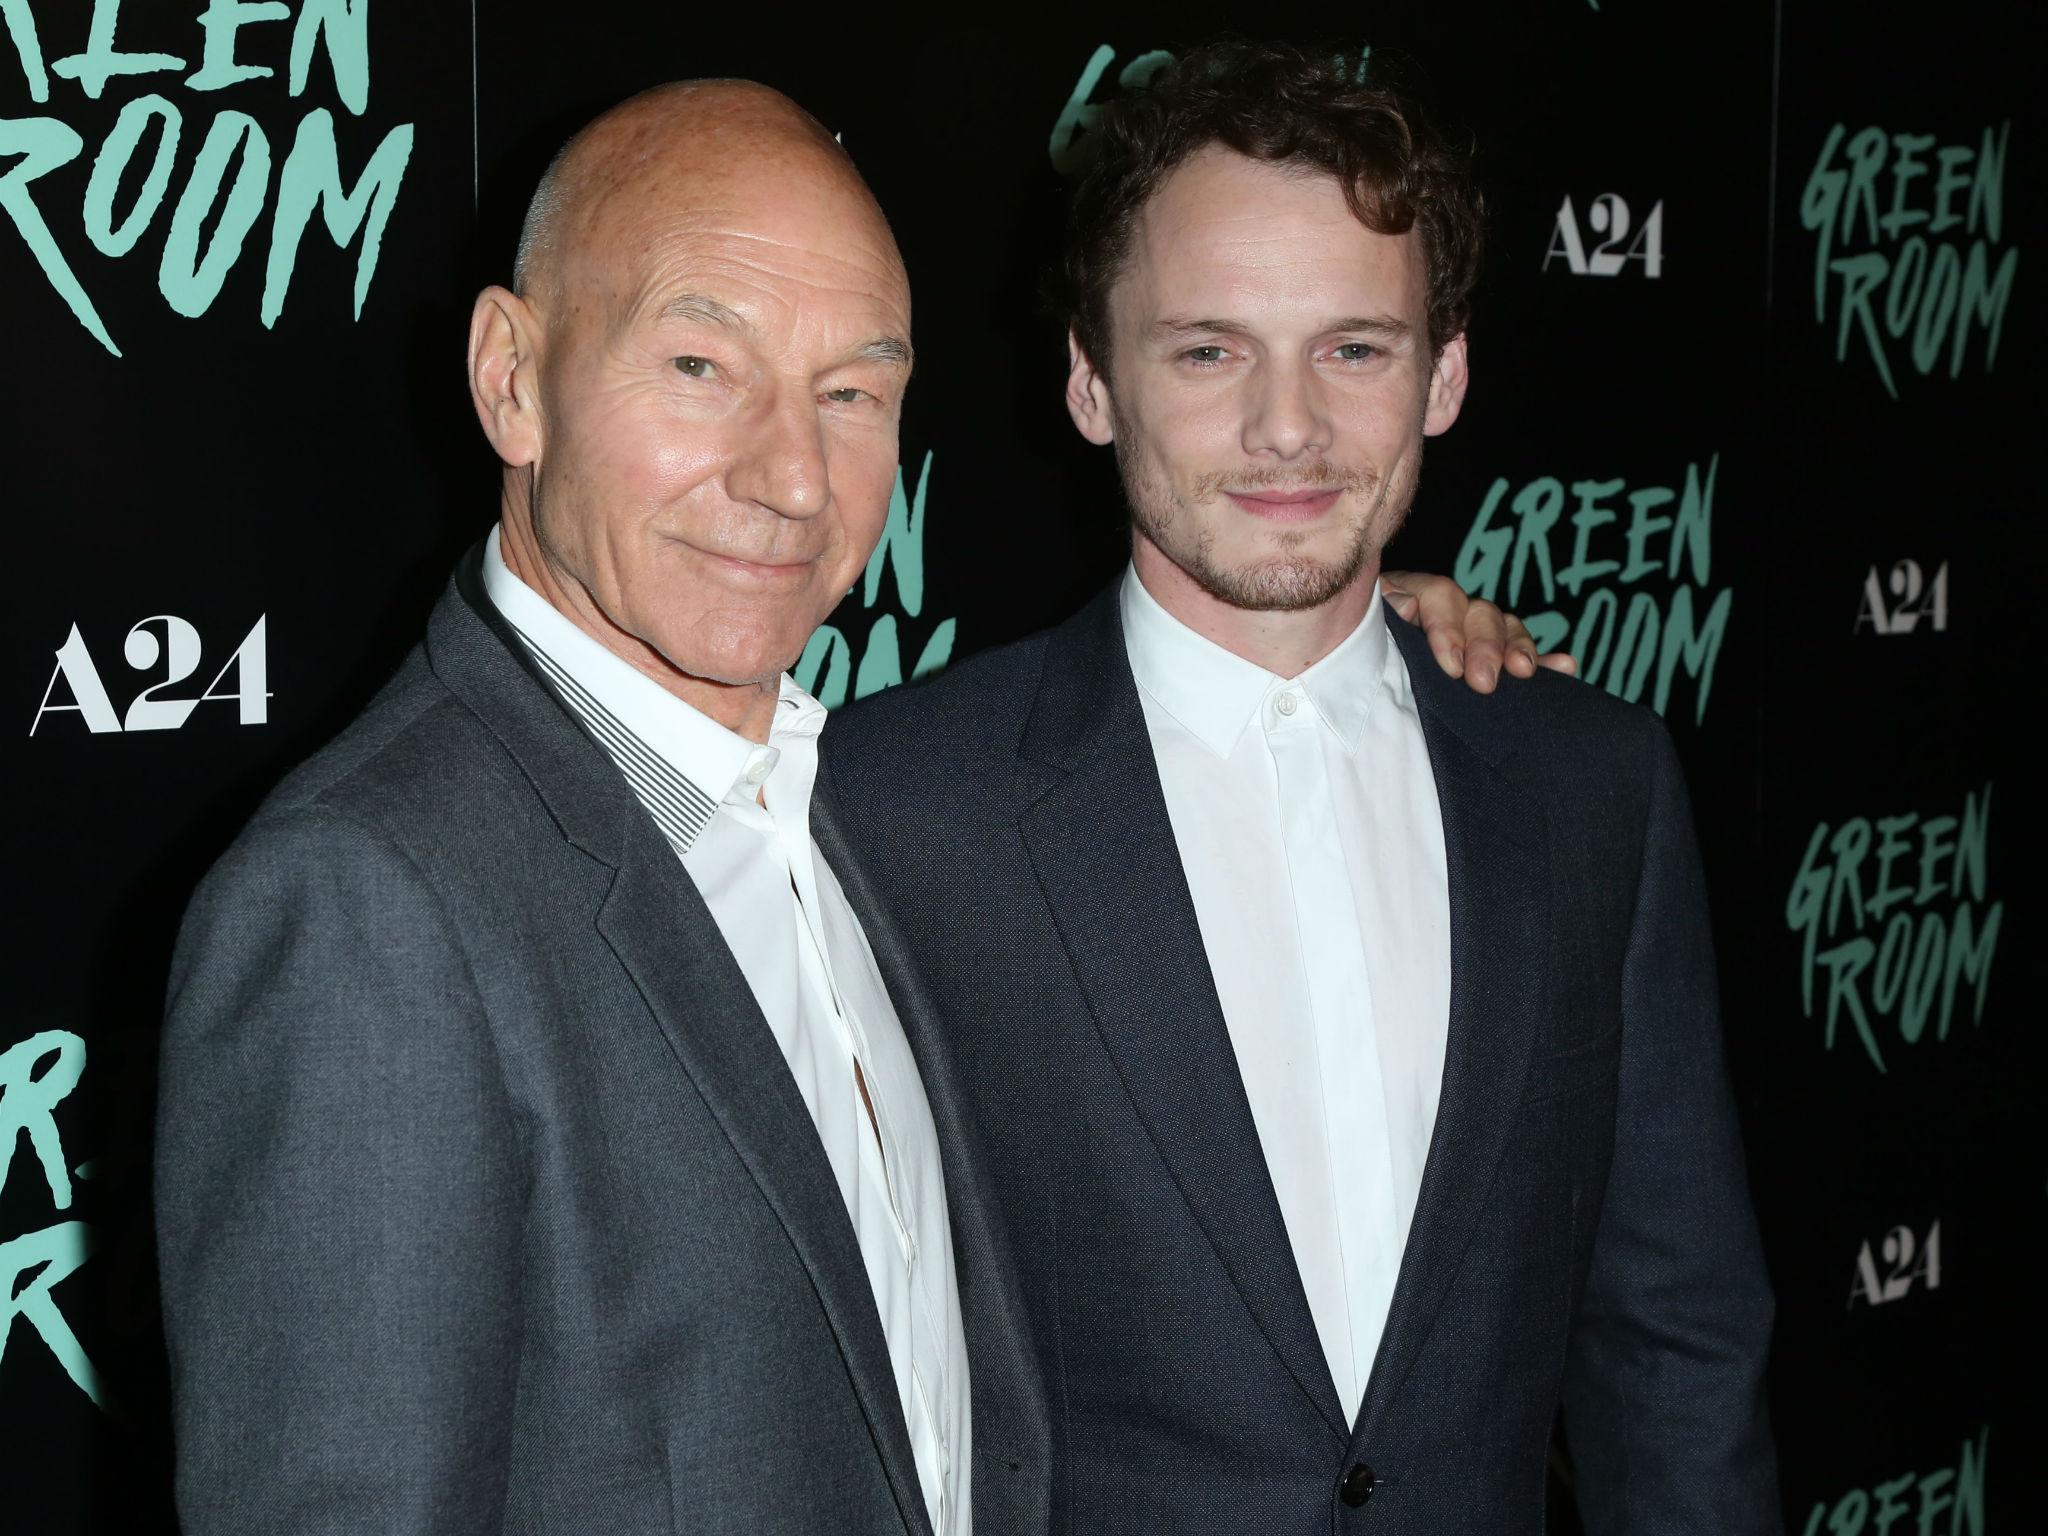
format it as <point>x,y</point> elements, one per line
<point>1470,637</point>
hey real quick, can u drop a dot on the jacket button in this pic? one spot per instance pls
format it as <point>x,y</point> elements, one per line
<point>1357,1485</point>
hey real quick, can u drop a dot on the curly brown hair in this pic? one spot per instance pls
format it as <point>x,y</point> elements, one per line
<point>1282,104</point>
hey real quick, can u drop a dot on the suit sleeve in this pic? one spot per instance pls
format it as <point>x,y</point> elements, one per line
<point>338,1202</point>
<point>1664,1404</point>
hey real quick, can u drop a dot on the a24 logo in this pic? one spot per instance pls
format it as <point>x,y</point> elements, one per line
<point>1896,604</point>
<point>173,643</point>
<point>1608,215</point>
<point>1906,1260</point>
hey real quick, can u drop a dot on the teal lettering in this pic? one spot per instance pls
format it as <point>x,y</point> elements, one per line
<point>1483,555</point>
<point>346,26</point>
<point>1973,850</point>
<point>882,664</point>
<point>902,538</point>
<point>1924,978</point>
<point>1902,295</point>
<point>1987,192</point>
<point>1538,506</point>
<point>1547,629</point>
<point>21,29</point>
<point>1861,274</point>
<point>1934,849</point>
<point>1889,846</point>
<point>1844,963</point>
<point>1697,649</point>
<point>1985,300</point>
<point>220,21</point>
<point>188,284</point>
<point>1969,957</point>
<point>1589,516</point>
<point>1889,1507</point>
<point>1866,159</point>
<point>1693,533</point>
<point>1969,1511</point>
<point>312,174</point>
<point>44,144</point>
<point>1818,205</point>
<point>28,1102</point>
<point>1640,526</point>
<point>1888,979</point>
<point>1852,842</point>
<point>1947,182</point>
<point>1938,308</point>
<point>823,668</point>
<point>1079,114</point>
<point>1904,169</point>
<point>1067,148</point>
<point>100,61</point>
<point>112,163</point>
<point>50,1256</point>
<point>1803,905</point>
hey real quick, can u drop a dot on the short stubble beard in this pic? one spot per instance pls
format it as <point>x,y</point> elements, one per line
<point>1284,583</point>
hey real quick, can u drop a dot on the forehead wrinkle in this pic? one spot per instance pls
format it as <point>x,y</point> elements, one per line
<point>711,153</point>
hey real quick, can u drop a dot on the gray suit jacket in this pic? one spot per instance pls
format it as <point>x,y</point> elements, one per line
<point>1583,1234</point>
<point>486,1202</point>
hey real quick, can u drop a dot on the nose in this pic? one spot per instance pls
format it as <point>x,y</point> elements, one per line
<point>781,465</point>
<point>1285,418</point>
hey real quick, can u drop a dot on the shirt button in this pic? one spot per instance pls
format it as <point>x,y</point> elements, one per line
<point>759,770</point>
<point>1287,704</point>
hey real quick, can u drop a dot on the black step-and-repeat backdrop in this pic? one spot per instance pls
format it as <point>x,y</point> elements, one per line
<point>1754,431</point>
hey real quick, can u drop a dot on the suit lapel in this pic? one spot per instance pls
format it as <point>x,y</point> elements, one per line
<point>1095,826</point>
<point>1495,846</point>
<point>665,937</point>
<point>1002,1368</point>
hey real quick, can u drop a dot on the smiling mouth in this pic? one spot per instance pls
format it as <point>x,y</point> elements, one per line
<point>767,571</point>
<point>1292,506</point>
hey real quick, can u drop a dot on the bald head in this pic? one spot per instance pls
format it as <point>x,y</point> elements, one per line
<point>696,389</point>
<point>687,144</point>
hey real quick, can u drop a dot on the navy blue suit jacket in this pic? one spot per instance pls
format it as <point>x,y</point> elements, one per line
<point>1583,1235</point>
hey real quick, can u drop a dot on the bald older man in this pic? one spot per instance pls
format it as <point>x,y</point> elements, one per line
<point>540,1148</point>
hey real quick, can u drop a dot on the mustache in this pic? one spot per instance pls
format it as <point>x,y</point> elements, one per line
<point>1317,475</point>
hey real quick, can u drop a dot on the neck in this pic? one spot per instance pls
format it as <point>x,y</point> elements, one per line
<point>1285,642</point>
<point>745,709</point>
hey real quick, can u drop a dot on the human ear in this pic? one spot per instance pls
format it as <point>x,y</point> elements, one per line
<point>504,363</point>
<point>1088,396</point>
<point>1447,381</point>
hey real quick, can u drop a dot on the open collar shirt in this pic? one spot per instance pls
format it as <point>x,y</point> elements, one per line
<point>1306,816</point>
<point>737,813</point>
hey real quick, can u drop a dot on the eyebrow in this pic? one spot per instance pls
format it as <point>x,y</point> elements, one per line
<point>883,349</point>
<point>1175,327</point>
<point>704,310</point>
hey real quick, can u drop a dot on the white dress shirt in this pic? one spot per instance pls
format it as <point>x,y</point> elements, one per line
<point>1306,816</point>
<point>738,815</point>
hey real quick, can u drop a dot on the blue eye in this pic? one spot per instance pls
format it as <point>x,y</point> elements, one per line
<point>1356,351</point>
<point>847,396</point>
<point>695,367</point>
<point>1211,354</point>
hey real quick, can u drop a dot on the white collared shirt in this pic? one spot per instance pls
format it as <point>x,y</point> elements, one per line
<point>1306,816</point>
<point>807,961</point>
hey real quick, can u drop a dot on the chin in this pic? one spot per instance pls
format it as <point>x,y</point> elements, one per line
<point>735,656</point>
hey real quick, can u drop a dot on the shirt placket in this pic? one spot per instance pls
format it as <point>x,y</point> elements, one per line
<point>880,1162</point>
<point>1340,1003</point>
